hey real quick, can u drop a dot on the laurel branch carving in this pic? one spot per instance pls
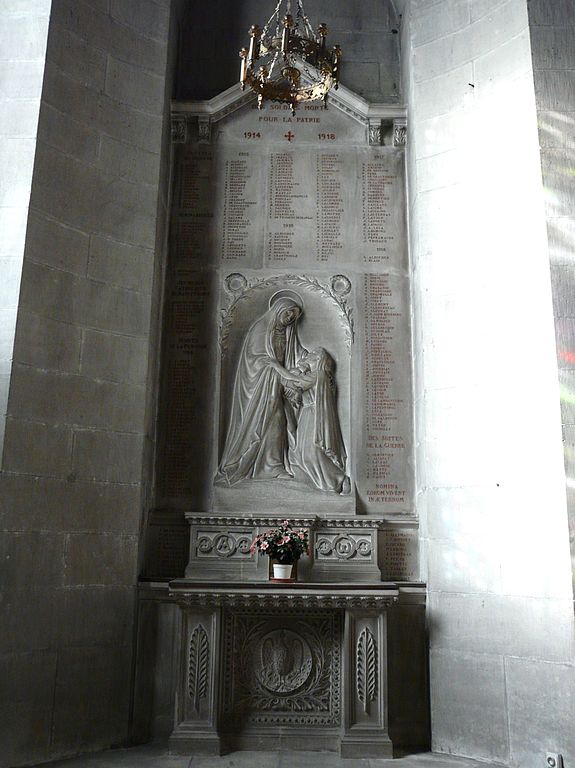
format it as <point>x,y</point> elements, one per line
<point>198,666</point>
<point>366,668</point>
<point>311,284</point>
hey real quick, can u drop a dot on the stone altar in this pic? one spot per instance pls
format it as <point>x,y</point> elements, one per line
<point>267,666</point>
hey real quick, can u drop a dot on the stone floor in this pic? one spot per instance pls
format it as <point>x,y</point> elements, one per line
<point>154,757</point>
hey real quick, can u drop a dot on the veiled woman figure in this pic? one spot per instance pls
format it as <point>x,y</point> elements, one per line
<point>320,450</point>
<point>261,421</point>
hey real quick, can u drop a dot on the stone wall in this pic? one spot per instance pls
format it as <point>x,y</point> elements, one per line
<point>367,32</point>
<point>489,456</point>
<point>23,36</point>
<point>552,27</point>
<point>72,490</point>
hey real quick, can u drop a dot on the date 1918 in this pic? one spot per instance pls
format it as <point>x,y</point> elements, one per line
<point>326,136</point>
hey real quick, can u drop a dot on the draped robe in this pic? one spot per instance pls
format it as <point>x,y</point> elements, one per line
<point>319,450</point>
<point>261,422</point>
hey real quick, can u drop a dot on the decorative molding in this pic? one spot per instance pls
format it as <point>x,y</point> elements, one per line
<point>351,522</point>
<point>222,521</point>
<point>204,129</point>
<point>343,547</point>
<point>399,133</point>
<point>343,99</point>
<point>244,289</point>
<point>199,659</point>
<point>268,600</point>
<point>366,668</point>
<point>375,133</point>
<point>179,129</point>
<point>363,522</point>
<point>222,544</point>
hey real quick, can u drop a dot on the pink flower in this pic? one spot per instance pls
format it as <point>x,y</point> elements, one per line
<point>285,540</point>
<point>301,534</point>
<point>265,545</point>
<point>285,523</point>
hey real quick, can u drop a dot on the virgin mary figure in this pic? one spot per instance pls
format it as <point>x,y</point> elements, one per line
<point>262,422</point>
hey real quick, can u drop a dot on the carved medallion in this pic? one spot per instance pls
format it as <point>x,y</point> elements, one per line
<point>282,667</point>
<point>282,661</point>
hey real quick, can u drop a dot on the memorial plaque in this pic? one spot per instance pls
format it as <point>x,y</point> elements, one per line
<point>278,198</point>
<point>186,404</point>
<point>239,222</point>
<point>400,553</point>
<point>193,208</point>
<point>384,451</point>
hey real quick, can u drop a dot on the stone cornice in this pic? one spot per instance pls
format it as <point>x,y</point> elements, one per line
<point>343,99</point>
<point>299,595</point>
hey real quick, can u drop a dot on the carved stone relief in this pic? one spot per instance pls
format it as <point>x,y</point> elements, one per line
<point>198,667</point>
<point>283,420</point>
<point>366,668</point>
<point>204,129</point>
<point>240,289</point>
<point>399,134</point>
<point>375,134</point>
<point>343,546</point>
<point>283,668</point>
<point>179,129</point>
<point>222,545</point>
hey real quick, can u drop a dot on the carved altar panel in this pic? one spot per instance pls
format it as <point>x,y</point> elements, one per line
<point>282,668</point>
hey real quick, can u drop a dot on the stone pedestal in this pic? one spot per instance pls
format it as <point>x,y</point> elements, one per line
<point>266,666</point>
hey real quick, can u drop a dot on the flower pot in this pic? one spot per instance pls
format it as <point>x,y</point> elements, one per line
<point>282,571</point>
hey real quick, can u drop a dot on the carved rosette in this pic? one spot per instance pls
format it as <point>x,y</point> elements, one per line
<point>343,547</point>
<point>223,545</point>
<point>366,668</point>
<point>198,667</point>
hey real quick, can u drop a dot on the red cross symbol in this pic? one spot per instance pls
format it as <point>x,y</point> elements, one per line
<point>289,136</point>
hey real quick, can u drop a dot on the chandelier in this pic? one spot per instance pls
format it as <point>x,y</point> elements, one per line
<point>294,62</point>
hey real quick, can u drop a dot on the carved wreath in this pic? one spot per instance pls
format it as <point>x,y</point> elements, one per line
<point>245,287</point>
<point>313,696</point>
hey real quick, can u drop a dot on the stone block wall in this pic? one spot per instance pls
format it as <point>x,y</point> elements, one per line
<point>367,32</point>
<point>79,410</point>
<point>23,36</point>
<point>489,455</point>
